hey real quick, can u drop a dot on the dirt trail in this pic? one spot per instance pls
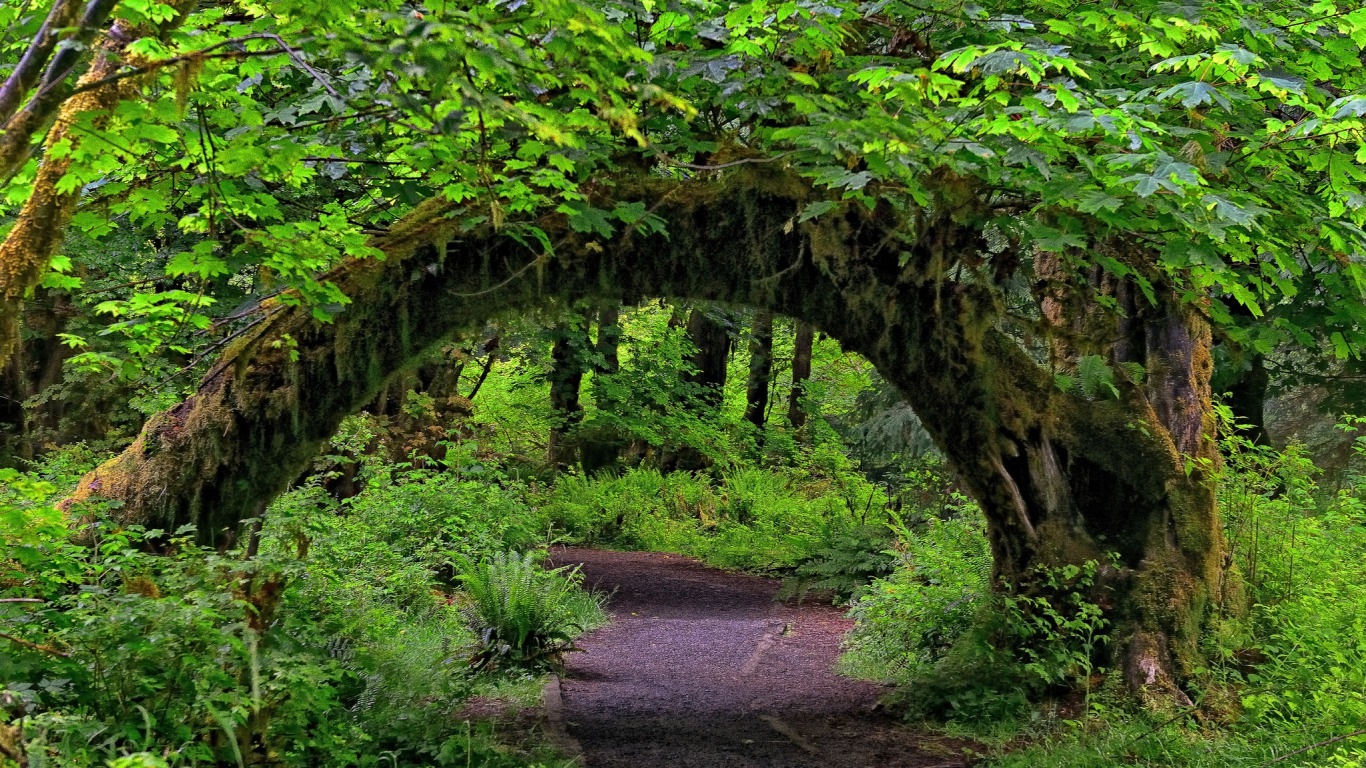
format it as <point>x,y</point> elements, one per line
<point>701,669</point>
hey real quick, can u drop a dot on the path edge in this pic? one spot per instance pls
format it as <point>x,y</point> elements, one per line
<point>552,710</point>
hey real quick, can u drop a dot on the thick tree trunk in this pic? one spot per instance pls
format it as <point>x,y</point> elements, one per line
<point>609,340</point>
<point>760,368</point>
<point>1060,478</point>
<point>567,367</point>
<point>712,341</point>
<point>801,371</point>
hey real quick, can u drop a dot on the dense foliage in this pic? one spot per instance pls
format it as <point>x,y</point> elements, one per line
<point>1047,177</point>
<point>1284,684</point>
<point>341,640</point>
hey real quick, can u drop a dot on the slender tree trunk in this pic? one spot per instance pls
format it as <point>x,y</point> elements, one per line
<point>36,366</point>
<point>1247,399</point>
<point>14,422</point>
<point>801,371</point>
<point>760,368</point>
<point>484,372</point>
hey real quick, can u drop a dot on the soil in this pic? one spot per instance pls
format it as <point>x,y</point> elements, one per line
<point>700,668</point>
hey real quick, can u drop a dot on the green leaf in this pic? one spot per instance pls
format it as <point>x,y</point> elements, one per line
<point>587,219</point>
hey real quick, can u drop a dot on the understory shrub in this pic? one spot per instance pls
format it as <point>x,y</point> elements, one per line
<point>908,620</point>
<point>341,641</point>
<point>757,519</point>
<point>956,649</point>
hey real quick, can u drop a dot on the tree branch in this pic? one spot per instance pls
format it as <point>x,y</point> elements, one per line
<point>34,646</point>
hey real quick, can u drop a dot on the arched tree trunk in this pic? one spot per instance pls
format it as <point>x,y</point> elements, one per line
<point>1061,478</point>
<point>760,368</point>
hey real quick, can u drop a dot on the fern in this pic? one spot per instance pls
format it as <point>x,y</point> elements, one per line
<point>1094,379</point>
<point>843,564</point>
<point>523,614</point>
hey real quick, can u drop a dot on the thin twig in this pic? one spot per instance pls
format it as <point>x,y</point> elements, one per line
<point>299,61</point>
<point>21,600</point>
<point>534,262</point>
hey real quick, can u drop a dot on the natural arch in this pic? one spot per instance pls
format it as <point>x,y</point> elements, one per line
<point>1060,477</point>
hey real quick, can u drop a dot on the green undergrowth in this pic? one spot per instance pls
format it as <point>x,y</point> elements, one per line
<point>348,638</point>
<point>825,532</point>
<point>1285,682</point>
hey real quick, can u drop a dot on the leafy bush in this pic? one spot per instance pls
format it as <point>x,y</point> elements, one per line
<point>909,620</point>
<point>960,651</point>
<point>524,615</point>
<point>339,643</point>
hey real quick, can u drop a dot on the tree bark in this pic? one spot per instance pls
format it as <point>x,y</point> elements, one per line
<point>567,367</point>
<point>1061,478</point>
<point>711,339</point>
<point>36,366</point>
<point>801,371</point>
<point>760,368</point>
<point>609,340</point>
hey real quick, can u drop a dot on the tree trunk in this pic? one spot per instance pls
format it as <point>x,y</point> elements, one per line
<point>711,339</point>
<point>566,381</point>
<point>609,340</point>
<point>37,231</point>
<point>1062,478</point>
<point>760,368</point>
<point>801,371</point>
<point>1247,399</point>
<point>36,366</point>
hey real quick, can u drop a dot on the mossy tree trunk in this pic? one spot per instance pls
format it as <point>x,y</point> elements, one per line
<point>36,234</point>
<point>760,368</point>
<point>1061,478</point>
<point>710,336</point>
<point>802,344</point>
<point>568,363</point>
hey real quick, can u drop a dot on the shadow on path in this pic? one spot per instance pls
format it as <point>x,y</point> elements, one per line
<point>701,669</point>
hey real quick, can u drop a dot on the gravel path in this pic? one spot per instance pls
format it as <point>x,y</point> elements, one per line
<point>700,668</point>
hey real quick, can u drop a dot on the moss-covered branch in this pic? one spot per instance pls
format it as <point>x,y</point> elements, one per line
<point>29,246</point>
<point>1061,478</point>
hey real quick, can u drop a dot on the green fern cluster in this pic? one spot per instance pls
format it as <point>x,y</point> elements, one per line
<point>524,615</point>
<point>844,563</point>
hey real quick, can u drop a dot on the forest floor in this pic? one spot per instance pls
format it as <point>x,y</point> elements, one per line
<point>700,668</point>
